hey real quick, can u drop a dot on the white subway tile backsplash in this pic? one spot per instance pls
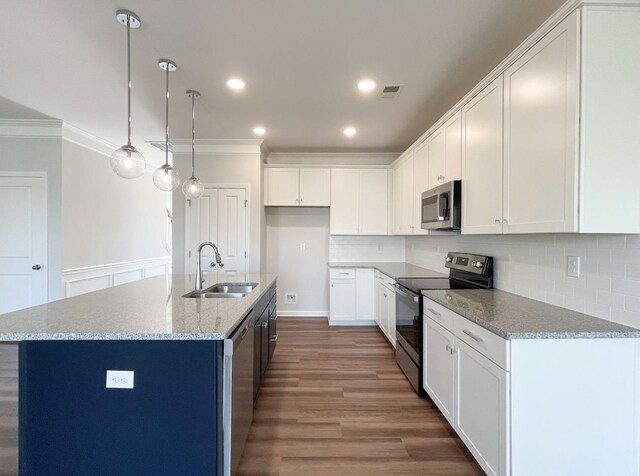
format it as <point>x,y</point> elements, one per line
<point>367,248</point>
<point>535,266</point>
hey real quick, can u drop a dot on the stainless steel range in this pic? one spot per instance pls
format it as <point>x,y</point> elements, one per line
<point>466,271</point>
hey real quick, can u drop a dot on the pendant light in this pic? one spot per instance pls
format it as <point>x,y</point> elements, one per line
<point>193,187</point>
<point>127,162</point>
<point>165,177</point>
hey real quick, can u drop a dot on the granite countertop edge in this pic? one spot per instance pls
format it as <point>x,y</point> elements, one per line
<point>380,266</point>
<point>85,336</point>
<point>630,333</point>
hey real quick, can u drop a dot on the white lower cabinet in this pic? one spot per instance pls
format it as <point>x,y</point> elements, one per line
<point>385,306</point>
<point>528,407</point>
<point>351,296</point>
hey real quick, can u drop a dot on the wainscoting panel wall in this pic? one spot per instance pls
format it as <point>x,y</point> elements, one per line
<point>93,278</point>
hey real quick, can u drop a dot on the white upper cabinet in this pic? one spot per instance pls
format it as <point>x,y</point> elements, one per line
<point>420,184</point>
<point>359,202</point>
<point>315,187</point>
<point>453,148</point>
<point>436,158</point>
<point>482,161</point>
<point>540,135</point>
<point>410,179</point>
<point>296,187</point>
<point>282,187</point>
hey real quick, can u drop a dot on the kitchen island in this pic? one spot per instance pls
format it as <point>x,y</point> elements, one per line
<point>167,409</point>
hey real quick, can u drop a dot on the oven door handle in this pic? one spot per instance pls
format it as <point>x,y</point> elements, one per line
<point>409,294</point>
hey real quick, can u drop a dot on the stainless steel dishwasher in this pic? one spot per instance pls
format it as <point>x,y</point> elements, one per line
<point>238,393</point>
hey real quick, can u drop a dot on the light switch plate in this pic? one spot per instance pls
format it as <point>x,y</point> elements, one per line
<point>119,378</point>
<point>303,246</point>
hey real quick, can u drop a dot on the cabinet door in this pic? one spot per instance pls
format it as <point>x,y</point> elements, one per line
<point>481,408</point>
<point>407,196</point>
<point>342,300</point>
<point>377,300</point>
<point>364,294</point>
<point>373,201</point>
<point>391,315</point>
<point>315,187</point>
<point>281,186</point>
<point>482,162</point>
<point>343,215</point>
<point>420,184</point>
<point>436,158</point>
<point>540,135</point>
<point>439,366</point>
<point>384,310</point>
<point>397,199</point>
<point>453,148</point>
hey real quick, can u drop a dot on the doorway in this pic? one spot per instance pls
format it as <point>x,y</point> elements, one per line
<point>23,240</point>
<point>220,216</point>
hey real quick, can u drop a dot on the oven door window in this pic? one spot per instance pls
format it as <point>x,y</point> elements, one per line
<point>408,321</point>
<point>430,209</point>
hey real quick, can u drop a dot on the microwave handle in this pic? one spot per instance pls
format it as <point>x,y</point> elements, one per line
<point>442,198</point>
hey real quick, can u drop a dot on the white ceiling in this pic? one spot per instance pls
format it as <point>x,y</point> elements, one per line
<point>301,60</point>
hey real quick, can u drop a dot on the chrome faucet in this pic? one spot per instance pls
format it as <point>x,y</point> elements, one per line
<point>219,262</point>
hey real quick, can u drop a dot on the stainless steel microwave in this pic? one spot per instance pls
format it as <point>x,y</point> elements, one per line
<point>441,207</point>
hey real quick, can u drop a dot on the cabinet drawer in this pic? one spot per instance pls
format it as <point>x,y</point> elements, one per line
<point>342,273</point>
<point>438,313</point>
<point>493,347</point>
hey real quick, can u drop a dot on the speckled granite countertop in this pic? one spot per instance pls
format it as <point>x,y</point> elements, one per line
<point>515,317</point>
<point>395,270</point>
<point>149,309</point>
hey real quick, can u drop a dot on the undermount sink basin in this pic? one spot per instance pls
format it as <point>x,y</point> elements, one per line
<point>223,291</point>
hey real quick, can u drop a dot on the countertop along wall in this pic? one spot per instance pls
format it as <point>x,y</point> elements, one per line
<point>534,266</point>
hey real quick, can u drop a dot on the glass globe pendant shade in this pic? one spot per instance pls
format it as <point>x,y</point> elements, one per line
<point>166,178</point>
<point>127,162</point>
<point>192,188</point>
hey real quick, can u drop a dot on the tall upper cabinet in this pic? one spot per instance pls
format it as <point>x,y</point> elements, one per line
<point>552,144</point>
<point>445,152</point>
<point>410,179</point>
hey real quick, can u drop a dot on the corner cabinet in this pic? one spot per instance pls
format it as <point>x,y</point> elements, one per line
<point>296,187</point>
<point>359,202</point>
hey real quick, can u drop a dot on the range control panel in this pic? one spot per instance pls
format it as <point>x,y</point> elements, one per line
<point>476,264</point>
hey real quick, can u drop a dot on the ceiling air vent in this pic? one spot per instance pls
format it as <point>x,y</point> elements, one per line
<point>390,92</point>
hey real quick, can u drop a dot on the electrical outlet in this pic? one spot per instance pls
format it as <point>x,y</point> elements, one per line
<point>303,246</point>
<point>573,266</point>
<point>119,378</point>
<point>291,298</point>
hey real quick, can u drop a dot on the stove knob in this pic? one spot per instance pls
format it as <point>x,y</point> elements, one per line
<point>449,259</point>
<point>478,264</point>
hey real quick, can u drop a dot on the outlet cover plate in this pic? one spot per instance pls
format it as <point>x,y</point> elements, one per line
<point>573,266</point>
<point>291,298</point>
<point>119,378</point>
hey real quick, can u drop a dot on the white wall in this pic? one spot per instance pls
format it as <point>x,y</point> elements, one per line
<point>305,273</point>
<point>218,169</point>
<point>535,266</point>
<point>107,219</point>
<point>41,155</point>
<point>367,248</point>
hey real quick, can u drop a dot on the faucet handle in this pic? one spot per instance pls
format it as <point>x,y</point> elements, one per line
<point>221,265</point>
<point>212,264</point>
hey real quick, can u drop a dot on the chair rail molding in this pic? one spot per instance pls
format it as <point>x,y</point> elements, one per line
<point>76,281</point>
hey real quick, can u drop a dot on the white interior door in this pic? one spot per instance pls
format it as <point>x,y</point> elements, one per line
<point>232,232</point>
<point>219,216</point>
<point>23,242</point>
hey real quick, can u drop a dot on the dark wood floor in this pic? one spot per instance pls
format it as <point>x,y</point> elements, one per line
<point>334,402</point>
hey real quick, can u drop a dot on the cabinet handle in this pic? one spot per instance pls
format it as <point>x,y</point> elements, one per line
<point>275,339</point>
<point>504,220</point>
<point>497,221</point>
<point>436,314</point>
<point>473,336</point>
<point>301,200</point>
<point>448,348</point>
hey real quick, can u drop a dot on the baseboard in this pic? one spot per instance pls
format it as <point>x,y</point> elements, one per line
<point>303,313</point>
<point>353,323</point>
<point>93,278</point>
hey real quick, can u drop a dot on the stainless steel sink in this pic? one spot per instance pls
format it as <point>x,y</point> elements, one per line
<point>223,291</point>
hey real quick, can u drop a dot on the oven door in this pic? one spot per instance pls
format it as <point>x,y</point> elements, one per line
<point>408,322</point>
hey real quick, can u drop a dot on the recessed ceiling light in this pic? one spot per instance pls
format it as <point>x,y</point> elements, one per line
<point>349,131</point>
<point>259,131</point>
<point>235,83</point>
<point>366,85</point>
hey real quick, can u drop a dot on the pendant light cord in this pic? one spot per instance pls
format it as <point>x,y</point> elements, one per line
<point>193,134</point>
<point>166,137</point>
<point>129,79</point>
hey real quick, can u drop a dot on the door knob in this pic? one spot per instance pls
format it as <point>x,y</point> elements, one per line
<point>36,267</point>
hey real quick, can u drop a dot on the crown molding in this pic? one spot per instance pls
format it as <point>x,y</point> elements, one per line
<point>32,128</point>
<point>212,146</point>
<point>89,141</point>
<point>331,158</point>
